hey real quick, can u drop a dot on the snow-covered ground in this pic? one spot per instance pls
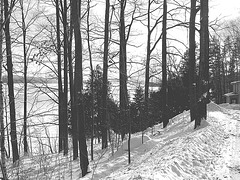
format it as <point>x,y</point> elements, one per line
<point>177,152</point>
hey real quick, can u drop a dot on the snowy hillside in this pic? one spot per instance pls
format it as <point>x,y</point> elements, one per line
<point>180,152</point>
<point>177,152</point>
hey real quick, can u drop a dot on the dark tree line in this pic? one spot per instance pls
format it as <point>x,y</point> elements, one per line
<point>178,101</point>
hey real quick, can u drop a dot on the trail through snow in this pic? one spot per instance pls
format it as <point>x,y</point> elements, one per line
<point>229,164</point>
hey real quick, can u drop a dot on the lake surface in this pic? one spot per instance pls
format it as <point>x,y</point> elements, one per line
<point>42,121</point>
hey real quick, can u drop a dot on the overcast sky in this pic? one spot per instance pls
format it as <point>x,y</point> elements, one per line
<point>224,8</point>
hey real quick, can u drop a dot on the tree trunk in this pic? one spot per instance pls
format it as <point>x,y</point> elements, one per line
<point>123,77</point>
<point>13,132</point>
<point>60,90</point>
<point>2,131</point>
<point>192,61</point>
<point>7,131</point>
<point>204,58</point>
<point>147,78</point>
<point>105,78</point>
<point>78,85</point>
<point>65,93</point>
<point>25,144</point>
<point>92,78</point>
<point>71,84</point>
<point>164,65</point>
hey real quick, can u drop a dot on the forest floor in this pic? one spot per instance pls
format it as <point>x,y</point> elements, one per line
<point>177,152</point>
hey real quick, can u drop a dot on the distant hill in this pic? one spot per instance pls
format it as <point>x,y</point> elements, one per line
<point>30,79</point>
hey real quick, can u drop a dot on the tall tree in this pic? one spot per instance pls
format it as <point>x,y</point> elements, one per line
<point>13,133</point>
<point>192,61</point>
<point>105,77</point>
<point>124,111</point>
<point>25,144</point>
<point>164,65</point>
<point>78,87</point>
<point>92,76</point>
<point>147,68</point>
<point>71,86</point>
<point>60,90</point>
<point>2,129</point>
<point>65,72</point>
<point>203,84</point>
<point>215,69</point>
<point>152,25</point>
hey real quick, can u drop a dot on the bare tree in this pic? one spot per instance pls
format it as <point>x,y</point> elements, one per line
<point>164,65</point>
<point>60,90</point>
<point>78,87</point>
<point>124,109</point>
<point>203,85</point>
<point>2,129</point>
<point>25,80</point>
<point>65,72</point>
<point>150,48</point>
<point>192,61</point>
<point>105,77</point>
<point>92,75</point>
<point>13,133</point>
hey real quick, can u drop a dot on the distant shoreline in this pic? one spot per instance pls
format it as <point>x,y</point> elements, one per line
<point>30,79</point>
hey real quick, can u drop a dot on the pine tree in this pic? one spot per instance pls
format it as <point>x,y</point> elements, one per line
<point>137,110</point>
<point>216,74</point>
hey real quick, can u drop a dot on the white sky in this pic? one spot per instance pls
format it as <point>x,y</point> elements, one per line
<point>224,8</point>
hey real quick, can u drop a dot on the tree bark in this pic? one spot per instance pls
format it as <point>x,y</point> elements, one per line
<point>60,90</point>
<point>164,65</point>
<point>65,93</point>
<point>25,144</point>
<point>13,132</point>
<point>192,61</point>
<point>105,78</point>
<point>78,86</point>
<point>123,77</point>
<point>71,85</point>
<point>92,78</point>
<point>2,131</point>
<point>204,57</point>
<point>147,78</point>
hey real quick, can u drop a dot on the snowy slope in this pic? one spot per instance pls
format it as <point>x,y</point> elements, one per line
<point>180,152</point>
<point>177,152</point>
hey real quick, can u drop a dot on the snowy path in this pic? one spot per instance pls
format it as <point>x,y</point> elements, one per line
<point>228,165</point>
<point>234,164</point>
<point>233,147</point>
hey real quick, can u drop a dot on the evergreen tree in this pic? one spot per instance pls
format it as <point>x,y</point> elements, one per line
<point>112,109</point>
<point>216,74</point>
<point>137,111</point>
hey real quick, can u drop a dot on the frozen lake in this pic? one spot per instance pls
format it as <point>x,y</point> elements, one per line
<point>42,118</point>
